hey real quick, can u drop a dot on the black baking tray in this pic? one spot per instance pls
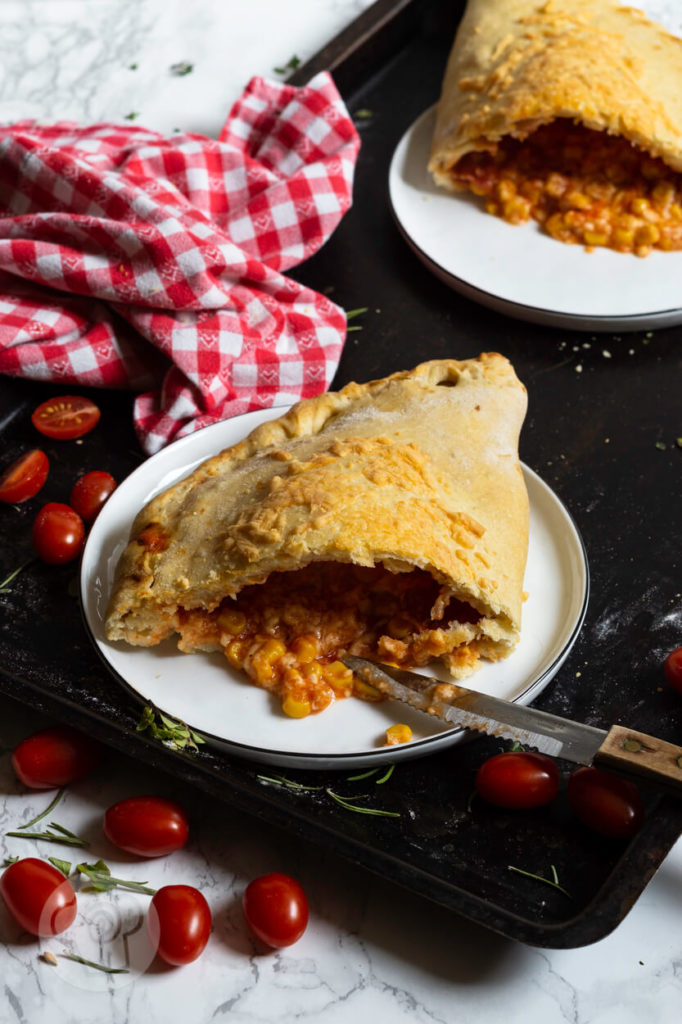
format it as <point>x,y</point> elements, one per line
<point>605,439</point>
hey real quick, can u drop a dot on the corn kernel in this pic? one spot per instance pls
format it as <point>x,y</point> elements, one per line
<point>236,652</point>
<point>338,676</point>
<point>305,649</point>
<point>266,657</point>
<point>396,734</point>
<point>595,238</point>
<point>365,690</point>
<point>231,620</point>
<point>295,708</point>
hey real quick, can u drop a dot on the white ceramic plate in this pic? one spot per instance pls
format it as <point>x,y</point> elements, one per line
<point>517,269</point>
<point>204,691</point>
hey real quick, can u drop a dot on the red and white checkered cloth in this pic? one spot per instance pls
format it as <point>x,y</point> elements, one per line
<point>185,239</point>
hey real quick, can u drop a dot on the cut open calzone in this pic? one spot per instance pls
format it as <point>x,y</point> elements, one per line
<point>387,520</point>
<point>568,112</point>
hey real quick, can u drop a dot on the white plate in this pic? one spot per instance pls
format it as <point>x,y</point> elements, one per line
<point>517,269</point>
<point>204,691</point>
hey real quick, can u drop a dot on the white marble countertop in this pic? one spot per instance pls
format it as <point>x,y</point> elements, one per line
<point>372,952</point>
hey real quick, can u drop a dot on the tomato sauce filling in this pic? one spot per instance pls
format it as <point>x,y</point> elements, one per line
<point>288,633</point>
<point>582,186</point>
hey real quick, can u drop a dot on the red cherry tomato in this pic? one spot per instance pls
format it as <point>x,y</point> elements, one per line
<point>65,417</point>
<point>55,757</point>
<point>518,779</point>
<point>38,897</point>
<point>673,668</point>
<point>58,533</point>
<point>610,805</point>
<point>276,909</point>
<point>90,492</point>
<point>24,477</point>
<point>149,826</point>
<point>179,923</point>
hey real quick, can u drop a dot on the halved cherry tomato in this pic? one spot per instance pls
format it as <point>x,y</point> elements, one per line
<point>276,909</point>
<point>55,757</point>
<point>90,492</point>
<point>518,779</point>
<point>24,477</point>
<point>149,826</point>
<point>58,533</point>
<point>606,803</point>
<point>38,897</point>
<point>673,668</point>
<point>179,923</point>
<point>65,417</point>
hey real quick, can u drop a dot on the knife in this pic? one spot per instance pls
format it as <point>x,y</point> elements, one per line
<point>617,749</point>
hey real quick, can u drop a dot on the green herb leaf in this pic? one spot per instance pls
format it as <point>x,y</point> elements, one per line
<point>281,780</point>
<point>132,115</point>
<point>661,446</point>
<point>181,68</point>
<point>132,67</point>
<point>352,313</point>
<point>553,881</point>
<point>61,865</point>
<point>363,114</point>
<point>44,814</point>
<point>101,879</point>
<point>290,65</point>
<point>346,801</point>
<point>5,584</point>
<point>61,835</point>
<point>364,775</point>
<point>386,776</point>
<point>91,963</point>
<point>8,861</point>
<point>171,732</point>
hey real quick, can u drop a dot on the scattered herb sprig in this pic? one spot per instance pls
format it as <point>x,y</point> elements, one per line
<point>44,814</point>
<point>171,731</point>
<point>60,835</point>
<point>281,780</point>
<point>101,879</point>
<point>5,584</point>
<point>291,65</point>
<point>61,865</point>
<point>91,963</point>
<point>347,802</point>
<point>553,881</point>
<point>351,314</point>
<point>182,68</point>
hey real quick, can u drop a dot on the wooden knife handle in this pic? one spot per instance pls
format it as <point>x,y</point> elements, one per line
<point>635,753</point>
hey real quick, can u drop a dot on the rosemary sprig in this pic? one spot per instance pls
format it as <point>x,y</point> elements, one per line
<point>553,881</point>
<point>351,314</point>
<point>290,65</point>
<point>281,780</point>
<point>5,584</point>
<point>386,776</point>
<point>171,732</point>
<point>372,771</point>
<point>44,814</point>
<point>346,801</point>
<point>102,880</point>
<point>61,835</point>
<point>91,963</point>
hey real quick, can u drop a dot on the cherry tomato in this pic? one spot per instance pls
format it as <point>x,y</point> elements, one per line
<point>179,923</point>
<point>58,533</point>
<point>606,803</point>
<point>276,909</point>
<point>518,779</point>
<point>24,477</point>
<point>55,757</point>
<point>673,668</point>
<point>149,826</point>
<point>90,492</point>
<point>38,897</point>
<point>65,417</point>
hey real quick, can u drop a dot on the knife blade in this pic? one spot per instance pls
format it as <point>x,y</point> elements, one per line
<point>618,749</point>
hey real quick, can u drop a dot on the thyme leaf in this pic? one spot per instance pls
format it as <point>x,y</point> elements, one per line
<point>346,802</point>
<point>181,68</point>
<point>61,865</point>
<point>101,879</point>
<point>291,65</point>
<point>553,881</point>
<point>171,731</point>
<point>91,963</point>
<point>44,814</point>
<point>8,861</point>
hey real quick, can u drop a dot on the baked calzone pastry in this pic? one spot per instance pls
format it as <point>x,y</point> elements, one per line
<point>568,112</point>
<point>387,520</point>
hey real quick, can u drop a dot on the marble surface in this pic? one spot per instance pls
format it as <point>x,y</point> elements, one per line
<point>371,952</point>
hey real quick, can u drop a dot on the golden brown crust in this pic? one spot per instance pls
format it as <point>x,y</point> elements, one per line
<point>518,64</point>
<point>417,470</point>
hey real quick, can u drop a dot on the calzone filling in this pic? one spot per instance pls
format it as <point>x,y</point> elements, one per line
<point>581,185</point>
<point>288,633</point>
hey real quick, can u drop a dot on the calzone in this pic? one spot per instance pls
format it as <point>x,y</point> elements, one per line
<point>387,520</point>
<point>568,112</point>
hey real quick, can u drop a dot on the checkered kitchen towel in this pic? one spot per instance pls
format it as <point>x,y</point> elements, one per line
<point>185,240</point>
